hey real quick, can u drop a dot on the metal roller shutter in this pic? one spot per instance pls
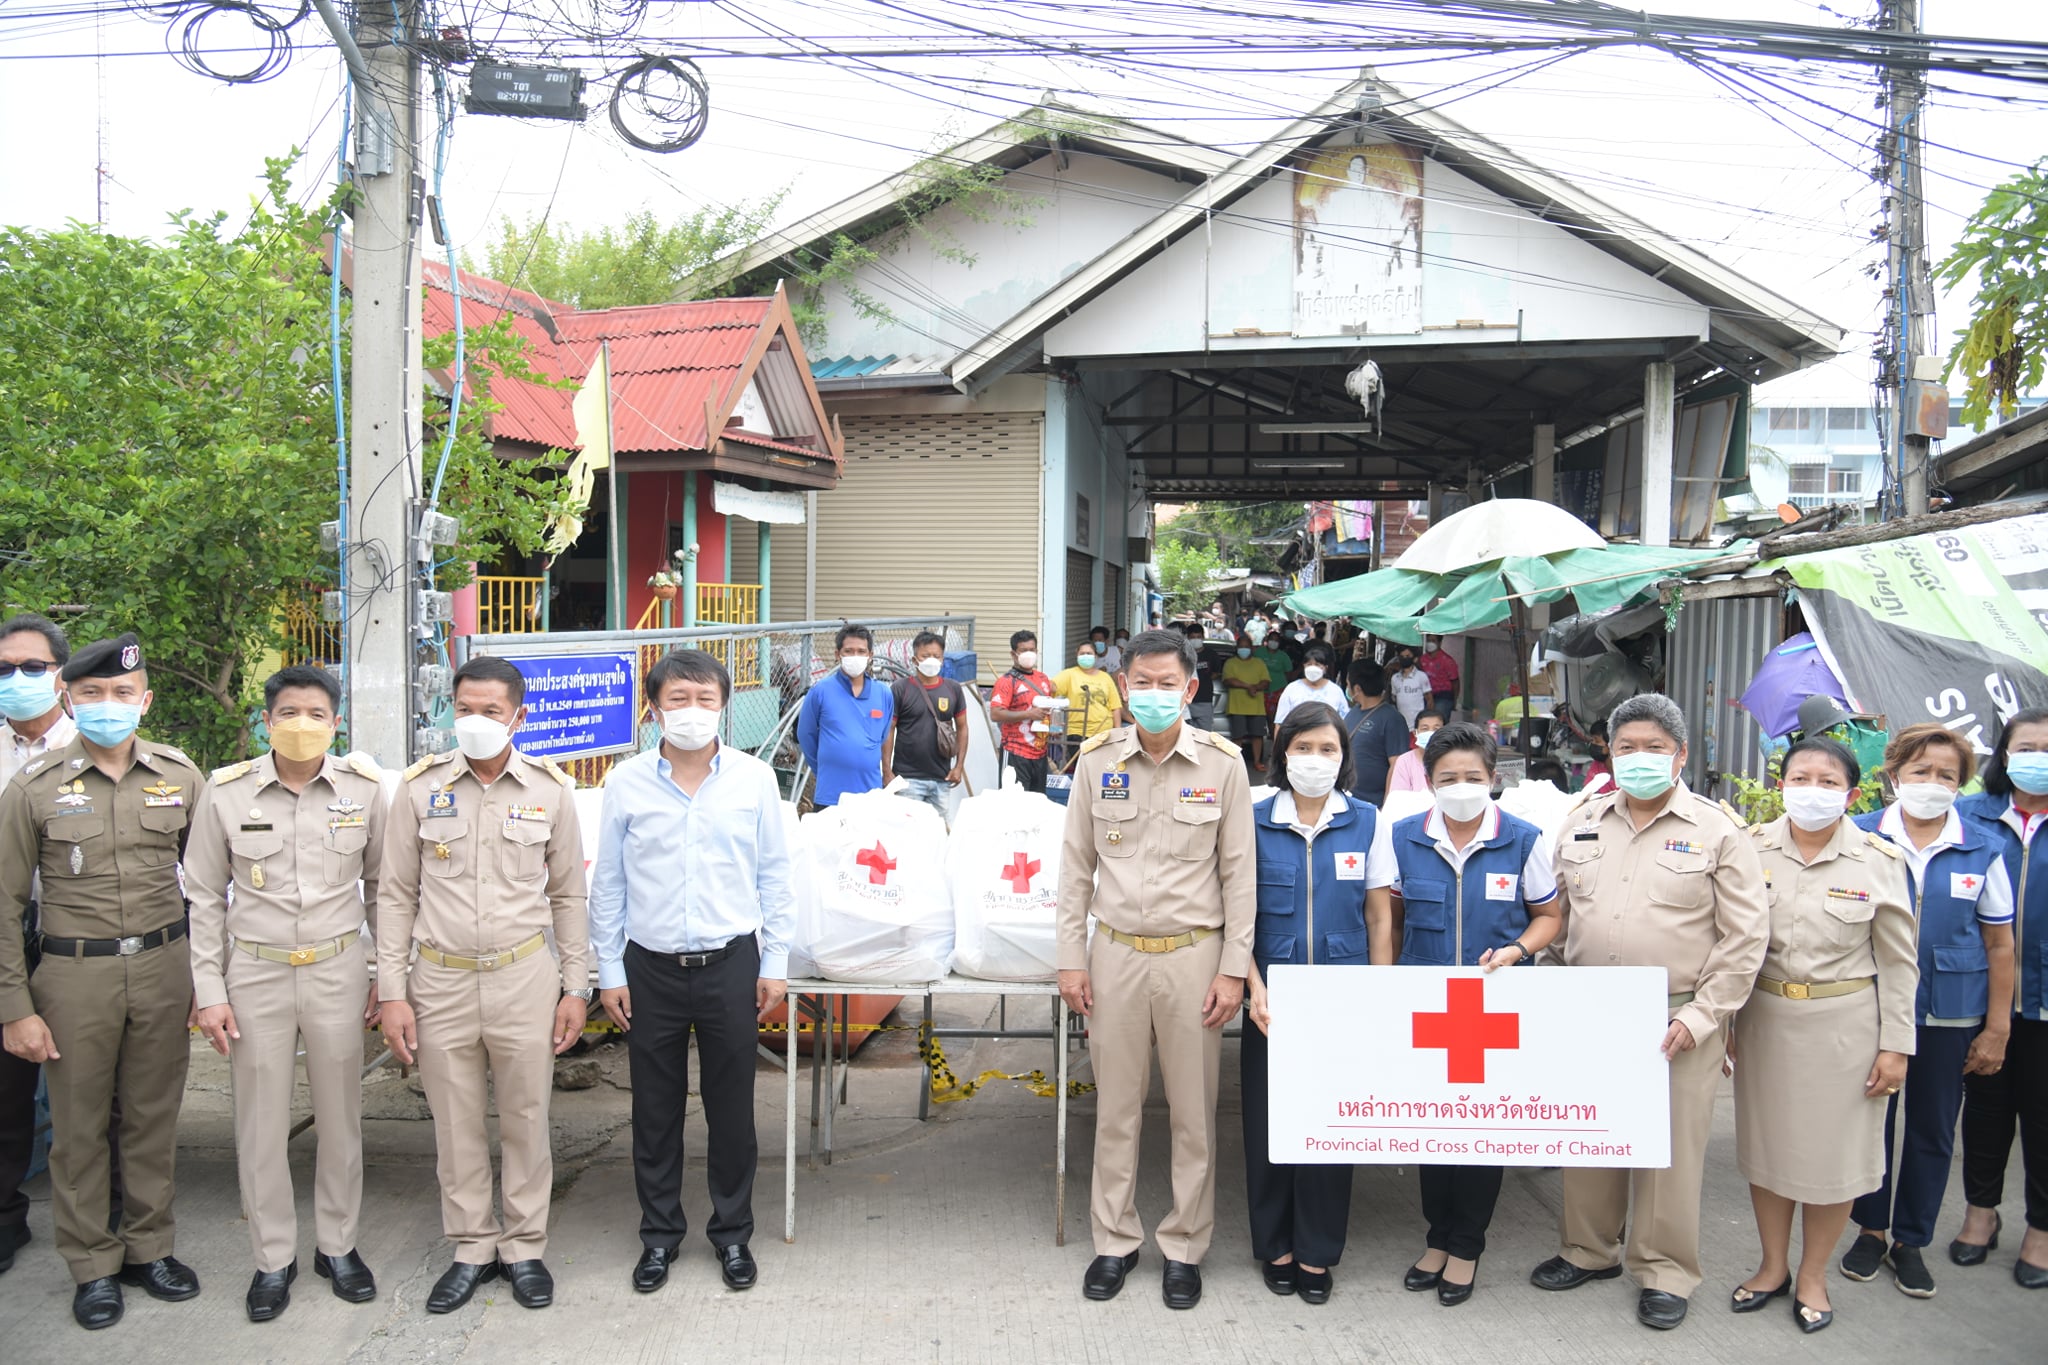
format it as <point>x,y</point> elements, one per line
<point>1113,596</point>
<point>1080,570</point>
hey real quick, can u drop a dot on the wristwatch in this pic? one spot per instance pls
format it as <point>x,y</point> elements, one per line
<point>1523,949</point>
<point>582,994</point>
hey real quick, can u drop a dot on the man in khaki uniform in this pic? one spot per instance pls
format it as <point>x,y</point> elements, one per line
<point>1653,875</point>
<point>1159,847</point>
<point>483,855</point>
<point>103,820</point>
<point>299,834</point>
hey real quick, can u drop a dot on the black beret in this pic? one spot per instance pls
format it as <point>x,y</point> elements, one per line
<point>106,659</point>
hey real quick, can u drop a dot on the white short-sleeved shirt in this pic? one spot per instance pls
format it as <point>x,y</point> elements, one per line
<point>1302,690</point>
<point>1409,691</point>
<point>1994,899</point>
<point>1381,869</point>
<point>1537,871</point>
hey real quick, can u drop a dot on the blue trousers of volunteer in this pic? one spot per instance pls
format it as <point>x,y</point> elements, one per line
<point>1143,1000</point>
<point>1298,1209</point>
<point>1909,1201</point>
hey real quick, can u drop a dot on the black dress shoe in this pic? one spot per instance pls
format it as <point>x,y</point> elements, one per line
<point>1655,1308</point>
<point>1451,1295</point>
<point>270,1292</point>
<point>97,1303</point>
<point>1278,1275</point>
<point>457,1283</point>
<point>353,1282</point>
<point>1974,1253</point>
<point>1743,1299</point>
<point>1316,1286</point>
<point>650,1272</point>
<point>1105,1277</point>
<point>532,1286</point>
<point>1818,1321</point>
<point>1558,1273</point>
<point>166,1278</point>
<point>2027,1275</point>
<point>736,1264</point>
<point>12,1239</point>
<point>1417,1279</point>
<point>1181,1285</point>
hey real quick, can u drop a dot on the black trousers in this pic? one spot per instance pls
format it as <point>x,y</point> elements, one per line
<point>1300,1209</point>
<point>2015,1096</point>
<point>1030,771</point>
<point>669,1001</point>
<point>17,1135</point>
<point>1458,1203</point>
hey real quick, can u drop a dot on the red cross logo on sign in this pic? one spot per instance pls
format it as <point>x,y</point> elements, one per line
<point>1020,872</point>
<point>878,863</point>
<point>1466,1031</point>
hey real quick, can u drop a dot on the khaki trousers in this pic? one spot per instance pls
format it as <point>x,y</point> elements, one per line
<point>1142,1001</point>
<point>498,1024</point>
<point>119,1025</point>
<point>275,1005</point>
<point>1664,1232</point>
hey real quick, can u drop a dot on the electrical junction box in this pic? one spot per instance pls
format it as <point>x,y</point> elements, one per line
<point>526,91</point>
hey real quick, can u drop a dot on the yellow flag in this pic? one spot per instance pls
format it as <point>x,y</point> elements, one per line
<point>592,410</point>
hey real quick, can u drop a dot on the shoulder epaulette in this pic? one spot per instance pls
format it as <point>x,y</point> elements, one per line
<point>364,765</point>
<point>1882,844</point>
<point>1091,745</point>
<point>1220,742</point>
<point>1733,814</point>
<point>231,771</point>
<point>555,771</point>
<point>173,751</point>
<point>34,767</point>
<point>423,764</point>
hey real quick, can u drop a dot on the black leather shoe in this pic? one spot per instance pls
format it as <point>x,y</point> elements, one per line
<point>97,1303</point>
<point>1558,1273</point>
<point>166,1278</point>
<point>12,1239</point>
<point>1451,1295</point>
<point>1316,1286</point>
<point>1279,1277</point>
<point>650,1272</point>
<point>2029,1276</point>
<point>1181,1285</point>
<point>1974,1253</point>
<point>1743,1299</point>
<point>1811,1320</point>
<point>353,1282</point>
<point>1417,1279</point>
<point>1105,1277</point>
<point>1655,1308</point>
<point>532,1286</point>
<point>270,1292</point>
<point>736,1264</point>
<point>457,1283</point>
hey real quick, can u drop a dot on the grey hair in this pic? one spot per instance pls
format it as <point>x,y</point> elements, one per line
<point>1653,707</point>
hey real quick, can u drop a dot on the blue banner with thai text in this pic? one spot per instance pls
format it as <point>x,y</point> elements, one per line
<point>578,704</point>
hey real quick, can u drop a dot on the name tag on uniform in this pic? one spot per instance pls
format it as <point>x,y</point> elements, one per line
<point>257,829</point>
<point>1350,867</point>
<point>1965,886</point>
<point>1683,846</point>
<point>440,803</point>
<point>1583,835</point>
<point>1198,796</point>
<point>1116,787</point>
<point>1502,887</point>
<point>72,810</point>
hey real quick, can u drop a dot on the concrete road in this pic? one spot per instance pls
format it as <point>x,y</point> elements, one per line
<point>934,1242</point>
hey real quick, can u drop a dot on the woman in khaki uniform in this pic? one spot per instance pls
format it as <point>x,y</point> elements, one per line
<point>1823,1041</point>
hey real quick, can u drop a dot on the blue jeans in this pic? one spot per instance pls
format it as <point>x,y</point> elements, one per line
<point>929,790</point>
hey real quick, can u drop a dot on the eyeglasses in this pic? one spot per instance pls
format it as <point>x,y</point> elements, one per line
<point>34,668</point>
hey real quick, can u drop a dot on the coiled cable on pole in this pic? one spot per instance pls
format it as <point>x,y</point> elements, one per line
<point>669,94</point>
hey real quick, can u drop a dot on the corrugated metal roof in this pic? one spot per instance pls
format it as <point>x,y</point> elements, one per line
<point>867,366</point>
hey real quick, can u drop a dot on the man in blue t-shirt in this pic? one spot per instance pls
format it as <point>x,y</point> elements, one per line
<point>1378,734</point>
<point>844,720</point>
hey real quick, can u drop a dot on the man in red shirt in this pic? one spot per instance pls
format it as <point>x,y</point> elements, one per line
<point>1017,701</point>
<point>1442,671</point>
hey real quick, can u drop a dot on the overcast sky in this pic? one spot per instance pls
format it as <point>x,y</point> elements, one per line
<point>1771,191</point>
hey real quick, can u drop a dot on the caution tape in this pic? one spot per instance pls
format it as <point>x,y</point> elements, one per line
<point>946,1087</point>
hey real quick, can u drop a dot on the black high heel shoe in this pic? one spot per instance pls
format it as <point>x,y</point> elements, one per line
<point>1747,1300</point>
<point>1450,1295</point>
<point>1818,1322</point>
<point>1974,1253</point>
<point>1417,1279</point>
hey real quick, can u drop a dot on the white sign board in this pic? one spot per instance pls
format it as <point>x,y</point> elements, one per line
<point>1530,1066</point>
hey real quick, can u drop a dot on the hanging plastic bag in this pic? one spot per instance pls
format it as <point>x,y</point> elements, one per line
<point>873,905</point>
<point>1003,867</point>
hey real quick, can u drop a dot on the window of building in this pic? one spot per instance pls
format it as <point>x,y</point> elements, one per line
<point>1848,419</point>
<point>1807,480</point>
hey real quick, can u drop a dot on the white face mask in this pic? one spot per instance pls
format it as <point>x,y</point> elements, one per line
<point>1815,808</point>
<point>1312,774</point>
<point>480,738</point>
<point>691,728</point>
<point>1312,673</point>
<point>930,667</point>
<point>1926,800</point>
<point>1462,801</point>
<point>1027,659</point>
<point>853,665</point>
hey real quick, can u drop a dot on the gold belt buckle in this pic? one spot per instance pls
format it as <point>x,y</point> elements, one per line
<point>302,957</point>
<point>1797,990</point>
<point>1151,945</point>
<point>488,962</point>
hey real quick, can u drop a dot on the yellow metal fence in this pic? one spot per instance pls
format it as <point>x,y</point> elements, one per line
<point>308,639</point>
<point>508,606</point>
<point>728,604</point>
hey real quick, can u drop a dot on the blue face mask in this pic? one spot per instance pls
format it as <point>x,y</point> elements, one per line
<point>25,698</point>
<point>1155,711</point>
<point>108,723</point>
<point>2029,772</point>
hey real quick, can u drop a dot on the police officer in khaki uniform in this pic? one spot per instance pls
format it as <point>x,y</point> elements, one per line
<point>1159,847</point>
<point>1653,875</point>
<point>299,834</point>
<point>483,855</point>
<point>104,821</point>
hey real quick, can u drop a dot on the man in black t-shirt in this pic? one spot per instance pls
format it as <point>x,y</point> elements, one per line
<point>927,706</point>
<point>1203,706</point>
<point>1378,734</point>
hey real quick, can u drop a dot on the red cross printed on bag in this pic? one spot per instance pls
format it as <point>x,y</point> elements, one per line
<point>1020,872</point>
<point>878,863</point>
<point>1466,1031</point>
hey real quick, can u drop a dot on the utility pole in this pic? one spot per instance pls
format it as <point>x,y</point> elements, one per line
<point>1908,284</point>
<point>386,386</point>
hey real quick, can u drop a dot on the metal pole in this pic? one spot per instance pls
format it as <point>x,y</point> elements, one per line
<point>615,518</point>
<point>1660,435</point>
<point>764,544</point>
<point>789,1127</point>
<point>811,555</point>
<point>689,549</point>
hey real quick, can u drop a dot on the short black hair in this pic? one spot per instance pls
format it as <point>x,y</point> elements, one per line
<point>60,647</point>
<point>301,675</point>
<point>1317,653</point>
<point>1099,630</point>
<point>491,668</point>
<point>685,665</point>
<point>1147,643</point>
<point>1310,715</point>
<point>846,633</point>
<point>1368,677</point>
<point>1834,749</point>
<point>1020,638</point>
<point>1459,735</point>
<point>1996,781</point>
<point>1548,770</point>
<point>927,637</point>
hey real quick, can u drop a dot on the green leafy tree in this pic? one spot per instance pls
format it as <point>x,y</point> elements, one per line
<point>2001,353</point>
<point>1185,573</point>
<point>1234,529</point>
<point>167,437</point>
<point>645,259</point>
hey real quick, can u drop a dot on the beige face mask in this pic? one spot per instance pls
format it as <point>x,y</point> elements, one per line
<point>299,738</point>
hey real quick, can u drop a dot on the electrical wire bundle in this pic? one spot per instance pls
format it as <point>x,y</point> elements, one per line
<point>668,93</point>
<point>190,20</point>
